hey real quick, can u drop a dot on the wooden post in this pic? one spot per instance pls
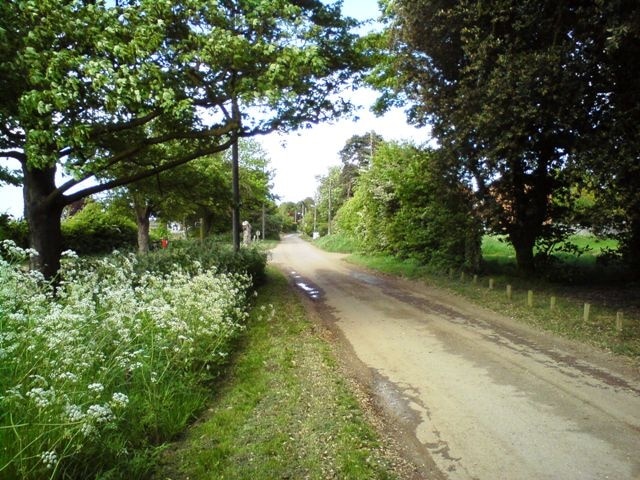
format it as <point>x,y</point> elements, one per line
<point>509,292</point>
<point>586,312</point>
<point>462,276</point>
<point>491,282</point>
<point>619,319</point>
<point>552,303</point>
<point>475,279</point>
<point>451,273</point>
<point>530,298</point>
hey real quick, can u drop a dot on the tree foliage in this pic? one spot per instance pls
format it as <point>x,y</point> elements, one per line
<point>356,156</point>
<point>120,92</point>
<point>515,92</point>
<point>408,204</point>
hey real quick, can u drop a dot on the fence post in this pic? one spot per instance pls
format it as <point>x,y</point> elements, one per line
<point>462,276</point>
<point>509,292</point>
<point>552,303</point>
<point>619,319</point>
<point>586,312</point>
<point>530,298</point>
<point>491,282</point>
<point>475,279</point>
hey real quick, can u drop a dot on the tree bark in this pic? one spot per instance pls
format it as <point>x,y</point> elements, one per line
<point>523,238</point>
<point>43,211</point>
<point>143,214</point>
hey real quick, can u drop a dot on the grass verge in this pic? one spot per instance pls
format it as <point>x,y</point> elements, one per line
<point>284,410</point>
<point>337,243</point>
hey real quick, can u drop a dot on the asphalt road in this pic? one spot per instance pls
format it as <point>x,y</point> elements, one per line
<point>478,395</point>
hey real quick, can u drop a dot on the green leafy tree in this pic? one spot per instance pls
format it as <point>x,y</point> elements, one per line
<point>199,192</point>
<point>102,90</point>
<point>356,156</point>
<point>410,204</point>
<point>608,160</point>
<point>514,91</point>
<point>287,214</point>
<point>331,195</point>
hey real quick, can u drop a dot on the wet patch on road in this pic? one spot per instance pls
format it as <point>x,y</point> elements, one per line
<point>306,286</point>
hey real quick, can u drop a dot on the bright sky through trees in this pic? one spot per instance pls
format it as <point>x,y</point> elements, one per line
<point>299,157</point>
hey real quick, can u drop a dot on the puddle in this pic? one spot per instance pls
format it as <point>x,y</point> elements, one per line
<point>308,288</point>
<point>366,278</point>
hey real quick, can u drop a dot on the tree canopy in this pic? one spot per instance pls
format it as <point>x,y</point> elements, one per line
<point>517,93</point>
<point>120,92</point>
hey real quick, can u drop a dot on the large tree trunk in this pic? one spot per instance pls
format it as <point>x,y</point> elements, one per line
<point>143,214</point>
<point>207,224</point>
<point>43,211</point>
<point>523,245</point>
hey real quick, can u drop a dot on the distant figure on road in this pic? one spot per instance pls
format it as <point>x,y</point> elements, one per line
<point>246,233</point>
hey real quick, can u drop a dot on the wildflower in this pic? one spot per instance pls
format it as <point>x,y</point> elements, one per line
<point>119,400</point>
<point>71,377</point>
<point>100,413</point>
<point>87,429</point>
<point>41,397</point>
<point>74,413</point>
<point>49,458</point>
<point>96,387</point>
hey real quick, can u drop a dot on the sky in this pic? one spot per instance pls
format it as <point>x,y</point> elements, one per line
<point>298,158</point>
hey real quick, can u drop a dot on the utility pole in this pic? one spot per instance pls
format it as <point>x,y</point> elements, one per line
<point>235,177</point>
<point>315,216</point>
<point>329,227</point>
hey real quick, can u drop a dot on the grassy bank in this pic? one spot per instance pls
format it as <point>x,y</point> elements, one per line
<point>96,375</point>
<point>284,411</point>
<point>576,281</point>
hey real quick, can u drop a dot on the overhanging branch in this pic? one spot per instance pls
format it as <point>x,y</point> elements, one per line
<point>15,154</point>
<point>142,175</point>
<point>136,149</point>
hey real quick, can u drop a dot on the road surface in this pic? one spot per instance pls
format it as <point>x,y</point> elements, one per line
<point>480,396</point>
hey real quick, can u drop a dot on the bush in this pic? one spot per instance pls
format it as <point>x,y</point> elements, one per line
<point>94,230</point>
<point>407,205</point>
<point>15,230</point>
<point>210,254</point>
<point>95,377</point>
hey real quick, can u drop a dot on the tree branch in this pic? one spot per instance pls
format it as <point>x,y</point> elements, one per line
<point>142,175</point>
<point>132,151</point>
<point>16,138</point>
<point>15,154</point>
<point>119,127</point>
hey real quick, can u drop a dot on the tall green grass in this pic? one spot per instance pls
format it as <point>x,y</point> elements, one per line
<point>338,243</point>
<point>95,376</point>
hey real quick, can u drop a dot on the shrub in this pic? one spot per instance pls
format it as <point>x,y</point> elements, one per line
<point>210,254</point>
<point>94,229</point>
<point>407,204</point>
<point>15,230</point>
